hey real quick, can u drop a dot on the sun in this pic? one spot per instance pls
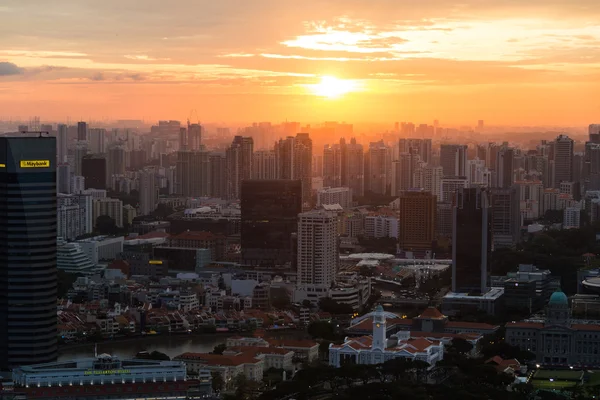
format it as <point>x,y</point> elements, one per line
<point>332,87</point>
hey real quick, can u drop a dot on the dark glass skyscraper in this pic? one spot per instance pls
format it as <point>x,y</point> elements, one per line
<point>471,241</point>
<point>28,280</point>
<point>93,169</point>
<point>270,211</point>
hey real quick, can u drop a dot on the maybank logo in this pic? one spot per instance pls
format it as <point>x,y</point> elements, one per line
<point>35,163</point>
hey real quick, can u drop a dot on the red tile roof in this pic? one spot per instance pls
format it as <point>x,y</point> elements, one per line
<point>431,313</point>
<point>197,235</point>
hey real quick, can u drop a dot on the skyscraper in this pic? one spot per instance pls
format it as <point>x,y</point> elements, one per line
<point>453,159</point>
<point>471,240</point>
<point>194,137</point>
<point>264,165</point>
<point>97,140</point>
<point>116,162</point>
<point>505,216</point>
<point>239,164</point>
<point>62,144</point>
<point>317,249</point>
<point>505,168</point>
<point>332,166</point>
<point>82,131</point>
<point>378,164</point>
<point>218,175</point>
<point>355,168</point>
<point>193,173</point>
<point>294,161</point>
<point>148,191</point>
<point>563,160</point>
<point>402,173</point>
<point>93,169</point>
<point>417,215</point>
<point>270,211</point>
<point>28,330</point>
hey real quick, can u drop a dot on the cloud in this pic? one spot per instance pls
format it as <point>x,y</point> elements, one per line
<point>97,77</point>
<point>8,68</point>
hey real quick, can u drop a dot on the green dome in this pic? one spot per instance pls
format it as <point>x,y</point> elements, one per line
<point>558,298</point>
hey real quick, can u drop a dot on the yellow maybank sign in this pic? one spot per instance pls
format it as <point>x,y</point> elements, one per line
<point>35,163</point>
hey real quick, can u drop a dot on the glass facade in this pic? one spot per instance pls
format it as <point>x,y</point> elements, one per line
<point>270,211</point>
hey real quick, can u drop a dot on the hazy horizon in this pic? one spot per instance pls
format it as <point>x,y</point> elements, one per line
<point>514,63</point>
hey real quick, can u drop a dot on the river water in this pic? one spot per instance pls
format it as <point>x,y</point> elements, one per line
<point>170,345</point>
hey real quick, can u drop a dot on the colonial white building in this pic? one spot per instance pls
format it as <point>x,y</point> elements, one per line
<point>377,349</point>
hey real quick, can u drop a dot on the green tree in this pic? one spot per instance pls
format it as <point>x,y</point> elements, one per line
<point>461,346</point>
<point>323,330</point>
<point>155,355</point>
<point>220,348</point>
<point>106,225</point>
<point>65,282</point>
<point>218,383</point>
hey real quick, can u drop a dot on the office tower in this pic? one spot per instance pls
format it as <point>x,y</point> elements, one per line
<point>182,139</point>
<point>453,159</point>
<point>270,211</point>
<point>81,149</point>
<point>594,133</point>
<point>193,174</point>
<point>97,139</point>
<point>62,142</point>
<point>28,330</point>
<point>332,165</point>
<point>403,173</point>
<point>317,249</point>
<point>478,174</point>
<point>148,192</point>
<point>194,137</point>
<point>422,147</point>
<point>417,215</point>
<point>116,162</point>
<point>303,167</point>
<point>239,164</point>
<point>378,165</point>
<point>563,160</point>
<point>449,186</point>
<point>506,216</point>
<point>218,175</point>
<point>112,208</point>
<point>93,169</point>
<point>471,241</point>
<point>63,178</point>
<point>355,168</point>
<point>264,165</point>
<point>82,131</point>
<point>505,168</point>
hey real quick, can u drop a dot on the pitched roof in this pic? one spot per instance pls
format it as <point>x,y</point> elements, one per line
<point>431,313</point>
<point>197,235</point>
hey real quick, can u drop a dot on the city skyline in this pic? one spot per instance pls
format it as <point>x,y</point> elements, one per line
<point>508,63</point>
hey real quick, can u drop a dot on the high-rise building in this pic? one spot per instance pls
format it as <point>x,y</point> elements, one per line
<point>471,241</point>
<point>82,131</point>
<point>194,137</point>
<point>182,139</point>
<point>62,143</point>
<point>355,168</point>
<point>453,159</point>
<point>403,173</point>
<point>28,321</point>
<point>193,175</point>
<point>109,207</point>
<point>478,174</point>
<point>505,168</point>
<point>264,165</point>
<point>338,195</point>
<point>505,216</point>
<point>563,160</point>
<point>239,164</point>
<point>449,186</point>
<point>294,161</point>
<point>270,211</point>
<point>93,169</point>
<point>422,147</point>
<point>63,178</point>
<point>317,249</point>
<point>97,139</point>
<point>417,215</point>
<point>218,175</point>
<point>81,149</point>
<point>594,133</point>
<point>378,164</point>
<point>429,178</point>
<point>332,166</point>
<point>148,191</point>
<point>116,162</point>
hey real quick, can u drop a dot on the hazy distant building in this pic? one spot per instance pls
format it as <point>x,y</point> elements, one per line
<point>239,164</point>
<point>422,147</point>
<point>505,168</point>
<point>97,139</point>
<point>505,217</point>
<point>294,161</point>
<point>429,178</point>
<point>453,159</point>
<point>218,175</point>
<point>378,164</point>
<point>355,168</point>
<point>194,137</point>
<point>148,192</point>
<point>264,165</point>
<point>62,143</point>
<point>82,131</point>
<point>450,186</point>
<point>270,211</point>
<point>193,175</point>
<point>332,166</point>
<point>337,195</point>
<point>116,162</point>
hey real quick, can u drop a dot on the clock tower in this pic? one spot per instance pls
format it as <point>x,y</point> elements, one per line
<point>379,329</point>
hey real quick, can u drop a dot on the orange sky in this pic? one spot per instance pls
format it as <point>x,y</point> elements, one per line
<point>508,61</point>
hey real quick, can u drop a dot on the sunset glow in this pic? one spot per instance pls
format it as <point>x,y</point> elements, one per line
<point>333,87</point>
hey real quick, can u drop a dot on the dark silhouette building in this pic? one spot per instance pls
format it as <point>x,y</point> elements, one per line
<point>93,169</point>
<point>28,280</point>
<point>471,241</point>
<point>270,211</point>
